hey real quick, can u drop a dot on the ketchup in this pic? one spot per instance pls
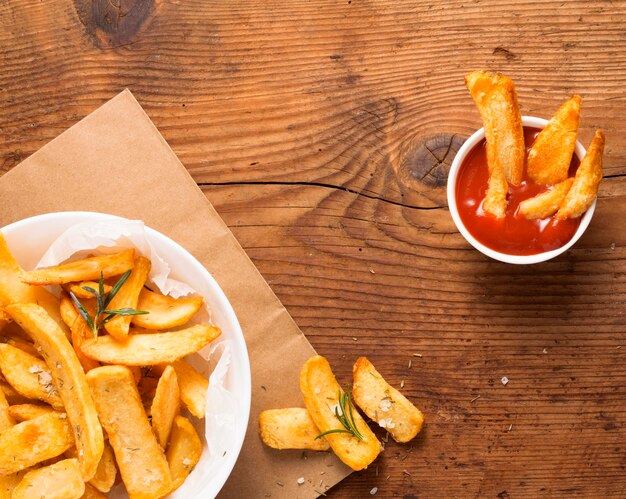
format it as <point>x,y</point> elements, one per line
<point>513,234</point>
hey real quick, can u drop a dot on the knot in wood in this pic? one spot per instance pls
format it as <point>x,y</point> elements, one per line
<point>113,23</point>
<point>427,161</point>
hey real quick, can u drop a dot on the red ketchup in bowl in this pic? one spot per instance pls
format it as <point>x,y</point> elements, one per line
<point>513,234</point>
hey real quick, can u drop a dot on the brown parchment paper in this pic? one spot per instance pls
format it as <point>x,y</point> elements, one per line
<point>115,161</point>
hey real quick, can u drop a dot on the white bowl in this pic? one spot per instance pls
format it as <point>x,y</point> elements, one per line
<point>468,145</point>
<point>31,237</point>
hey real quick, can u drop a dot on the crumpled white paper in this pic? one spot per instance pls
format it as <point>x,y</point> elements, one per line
<point>105,237</point>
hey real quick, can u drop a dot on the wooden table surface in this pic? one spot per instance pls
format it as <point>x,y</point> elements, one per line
<point>322,131</point>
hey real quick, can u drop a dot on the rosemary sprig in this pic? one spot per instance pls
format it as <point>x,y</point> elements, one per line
<point>344,413</point>
<point>104,315</point>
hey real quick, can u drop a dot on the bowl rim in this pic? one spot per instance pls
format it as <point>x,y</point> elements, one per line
<point>468,145</point>
<point>215,485</point>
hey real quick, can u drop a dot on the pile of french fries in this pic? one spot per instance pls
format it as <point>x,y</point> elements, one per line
<point>78,404</point>
<point>549,157</point>
<point>330,421</point>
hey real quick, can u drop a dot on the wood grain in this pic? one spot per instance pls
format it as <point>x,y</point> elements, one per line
<point>322,132</point>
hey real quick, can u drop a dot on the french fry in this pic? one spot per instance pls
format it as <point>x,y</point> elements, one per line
<point>67,309</point>
<point>78,288</point>
<point>127,297</point>
<point>29,375</point>
<point>80,331</point>
<point>586,182</point>
<point>6,420</point>
<point>165,312</point>
<point>92,493</point>
<point>551,153</point>
<point>8,483</point>
<point>165,406</point>
<point>106,472</point>
<point>26,412</point>
<point>290,428</point>
<point>150,349</point>
<point>4,319</point>
<point>183,451</point>
<point>496,100</point>
<point>321,397</point>
<point>31,442</point>
<point>141,460</point>
<point>547,203</point>
<point>193,388</point>
<point>69,378</point>
<point>24,346</point>
<point>13,290</point>
<point>61,480</point>
<point>384,404</point>
<point>497,189</point>
<point>88,269</point>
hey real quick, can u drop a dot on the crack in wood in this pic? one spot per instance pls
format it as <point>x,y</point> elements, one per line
<point>326,186</point>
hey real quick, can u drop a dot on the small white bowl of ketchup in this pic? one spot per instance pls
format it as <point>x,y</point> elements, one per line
<point>513,239</point>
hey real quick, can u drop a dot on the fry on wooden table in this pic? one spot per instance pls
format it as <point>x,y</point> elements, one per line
<point>291,428</point>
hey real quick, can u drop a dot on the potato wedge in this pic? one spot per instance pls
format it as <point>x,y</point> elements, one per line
<point>496,100</point>
<point>69,378</point>
<point>31,442</point>
<point>149,349</point>
<point>165,312</point>
<point>193,388</point>
<point>61,480</point>
<point>78,288</point>
<point>88,269</point>
<point>495,199</point>
<point>24,346</point>
<point>13,290</point>
<point>67,309</point>
<point>4,319</point>
<point>92,493</point>
<point>80,331</point>
<point>141,460</point>
<point>165,406</point>
<point>551,153</point>
<point>127,297</point>
<point>29,375</point>
<point>384,404</point>
<point>321,397</point>
<point>26,412</point>
<point>106,472</point>
<point>547,203</point>
<point>290,428</point>
<point>183,451</point>
<point>586,182</point>
<point>6,420</point>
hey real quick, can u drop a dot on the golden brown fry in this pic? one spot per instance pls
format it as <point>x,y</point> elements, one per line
<point>320,391</point>
<point>384,404</point>
<point>61,480</point>
<point>290,428</point>
<point>81,331</point>
<point>29,375</point>
<point>141,460</point>
<point>586,182</point>
<point>551,153</point>
<point>24,346</point>
<point>92,493</point>
<point>26,412</point>
<point>106,472</point>
<point>183,452</point>
<point>150,349</point>
<point>13,290</point>
<point>127,297</point>
<point>34,441</point>
<point>496,100</point>
<point>165,406</point>
<point>193,388</point>
<point>165,312</point>
<point>495,200</point>
<point>69,378</point>
<point>67,309</point>
<point>78,288</point>
<point>6,420</point>
<point>547,203</point>
<point>82,270</point>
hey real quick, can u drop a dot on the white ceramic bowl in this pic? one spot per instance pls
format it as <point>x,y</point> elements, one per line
<point>465,149</point>
<point>34,235</point>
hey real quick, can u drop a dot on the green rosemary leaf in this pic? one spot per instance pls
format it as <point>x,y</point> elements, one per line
<point>336,430</point>
<point>101,304</point>
<point>116,288</point>
<point>126,311</point>
<point>83,313</point>
<point>90,290</point>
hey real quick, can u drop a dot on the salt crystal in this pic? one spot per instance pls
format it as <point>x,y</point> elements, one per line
<point>504,380</point>
<point>385,405</point>
<point>300,480</point>
<point>317,390</point>
<point>386,423</point>
<point>373,491</point>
